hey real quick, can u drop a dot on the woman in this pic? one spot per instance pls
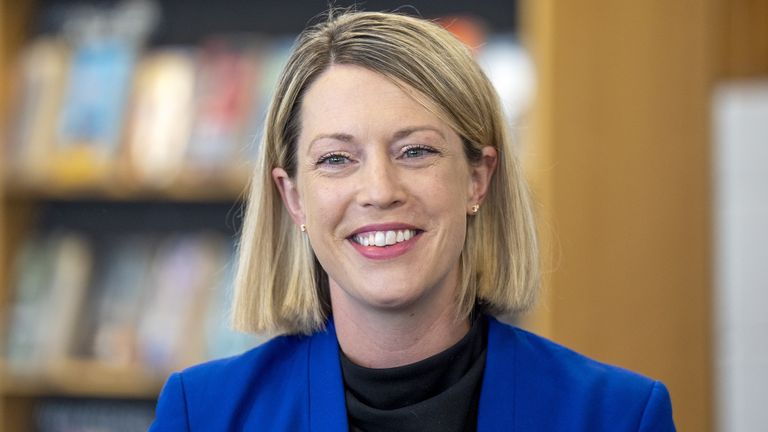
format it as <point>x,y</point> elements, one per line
<point>387,222</point>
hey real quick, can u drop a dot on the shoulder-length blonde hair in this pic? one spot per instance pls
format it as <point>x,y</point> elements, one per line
<point>280,287</point>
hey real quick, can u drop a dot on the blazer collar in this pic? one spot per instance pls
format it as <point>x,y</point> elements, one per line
<point>327,406</point>
<point>497,395</point>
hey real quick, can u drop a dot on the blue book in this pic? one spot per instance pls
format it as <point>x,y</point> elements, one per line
<point>99,84</point>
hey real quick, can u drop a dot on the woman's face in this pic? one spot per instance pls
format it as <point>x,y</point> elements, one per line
<point>384,189</point>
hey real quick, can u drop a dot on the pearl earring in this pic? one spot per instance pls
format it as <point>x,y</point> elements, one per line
<point>303,228</point>
<point>475,208</point>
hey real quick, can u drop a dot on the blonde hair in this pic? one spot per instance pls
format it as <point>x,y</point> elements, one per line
<point>280,287</point>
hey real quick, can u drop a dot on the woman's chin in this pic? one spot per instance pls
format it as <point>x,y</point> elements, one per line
<point>390,301</point>
<point>382,299</point>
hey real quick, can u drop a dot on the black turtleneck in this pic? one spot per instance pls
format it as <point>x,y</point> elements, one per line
<point>439,393</point>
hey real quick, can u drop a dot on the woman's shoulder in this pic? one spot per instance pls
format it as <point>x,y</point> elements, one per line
<point>241,389</point>
<point>556,358</point>
<point>279,354</point>
<point>557,379</point>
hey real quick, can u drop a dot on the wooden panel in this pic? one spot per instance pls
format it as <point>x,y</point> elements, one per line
<point>622,129</point>
<point>19,414</point>
<point>538,36</point>
<point>743,38</point>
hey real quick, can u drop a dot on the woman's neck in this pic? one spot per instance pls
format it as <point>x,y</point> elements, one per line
<point>384,338</point>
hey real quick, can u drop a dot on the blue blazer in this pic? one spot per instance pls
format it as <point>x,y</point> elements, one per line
<point>294,383</point>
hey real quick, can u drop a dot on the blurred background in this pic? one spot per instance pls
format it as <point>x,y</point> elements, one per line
<point>129,128</point>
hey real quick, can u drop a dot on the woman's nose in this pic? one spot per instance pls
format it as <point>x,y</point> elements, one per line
<point>381,184</point>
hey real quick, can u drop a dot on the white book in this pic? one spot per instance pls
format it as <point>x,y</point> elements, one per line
<point>71,274</point>
<point>161,116</point>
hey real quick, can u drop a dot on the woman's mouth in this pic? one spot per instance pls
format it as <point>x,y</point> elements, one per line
<point>384,238</point>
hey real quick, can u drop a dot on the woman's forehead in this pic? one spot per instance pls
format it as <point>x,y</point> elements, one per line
<point>345,98</point>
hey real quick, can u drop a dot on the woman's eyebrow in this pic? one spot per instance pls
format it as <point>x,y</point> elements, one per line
<point>402,133</point>
<point>343,137</point>
<point>337,136</point>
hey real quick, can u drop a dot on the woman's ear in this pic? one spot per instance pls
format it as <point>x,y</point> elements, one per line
<point>481,174</point>
<point>290,194</point>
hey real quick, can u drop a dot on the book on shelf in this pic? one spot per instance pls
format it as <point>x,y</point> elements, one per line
<point>72,270</point>
<point>161,116</point>
<point>120,284</point>
<point>91,118</point>
<point>228,71</point>
<point>52,275</point>
<point>43,68</point>
<point>33,271</point>
<point>181,276</point>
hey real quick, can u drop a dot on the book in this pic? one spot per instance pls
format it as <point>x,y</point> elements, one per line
<point>160,116</point>
<point>70,277</point>
<point>171,329</point>
<point>43,70</point>
<point>52,273</point>
<point>117,296</point>
<point>228,74</point>
<point>90,123</point>
<point>33,273</point>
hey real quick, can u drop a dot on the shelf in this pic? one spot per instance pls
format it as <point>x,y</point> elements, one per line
<point>82,378</point>
<point>188,186</point>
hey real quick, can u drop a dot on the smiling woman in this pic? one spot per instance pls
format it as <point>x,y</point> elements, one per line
<point>407,67</point>
<point>387,223</point>
<point>372,162</point>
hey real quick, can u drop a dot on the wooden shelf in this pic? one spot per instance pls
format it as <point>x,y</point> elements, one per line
<point>188,186</point>
<point>83,378</point>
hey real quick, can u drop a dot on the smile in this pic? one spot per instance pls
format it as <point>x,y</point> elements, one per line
<point>383,238</point>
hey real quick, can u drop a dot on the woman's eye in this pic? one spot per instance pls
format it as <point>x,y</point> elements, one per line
<point>417,152</point>
<point>333,159</point>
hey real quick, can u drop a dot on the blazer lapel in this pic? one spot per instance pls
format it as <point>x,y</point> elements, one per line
<point>327,406</point>
<point>497,395</point>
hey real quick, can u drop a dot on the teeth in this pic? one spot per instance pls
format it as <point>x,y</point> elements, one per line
<point>384,238</point>
<point>391,238</point>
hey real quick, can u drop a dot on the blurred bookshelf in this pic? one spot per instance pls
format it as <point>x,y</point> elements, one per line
<point>129,134</point>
